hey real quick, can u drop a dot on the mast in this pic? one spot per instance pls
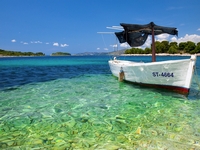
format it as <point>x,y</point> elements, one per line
<point>153,44</point>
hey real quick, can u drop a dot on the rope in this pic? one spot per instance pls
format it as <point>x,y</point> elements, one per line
<point>103,40</point>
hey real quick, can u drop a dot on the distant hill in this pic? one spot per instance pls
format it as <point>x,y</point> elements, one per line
<point>90,54</point>
<point>119,52</point>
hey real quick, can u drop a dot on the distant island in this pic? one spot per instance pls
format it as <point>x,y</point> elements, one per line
<point>60,54</point>
<point>17,53</point>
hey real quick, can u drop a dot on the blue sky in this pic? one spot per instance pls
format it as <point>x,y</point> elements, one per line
<point>71,25</point>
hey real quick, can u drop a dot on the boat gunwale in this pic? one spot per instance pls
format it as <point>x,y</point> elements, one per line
<point>133,63</point>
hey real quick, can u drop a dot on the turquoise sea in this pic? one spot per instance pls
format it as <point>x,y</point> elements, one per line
<point>75,103</point>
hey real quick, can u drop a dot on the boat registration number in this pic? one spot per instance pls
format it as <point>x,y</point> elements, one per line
<point>162,74</point>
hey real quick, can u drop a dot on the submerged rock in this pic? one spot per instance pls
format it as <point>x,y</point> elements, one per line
<point>138,131</point>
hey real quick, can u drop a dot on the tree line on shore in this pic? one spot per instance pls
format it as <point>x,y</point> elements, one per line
<point>168,47</point>
<point>17,53</point>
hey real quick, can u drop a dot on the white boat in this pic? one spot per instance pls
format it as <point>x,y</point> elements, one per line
<point>172,74</point>
<point>175,75</point>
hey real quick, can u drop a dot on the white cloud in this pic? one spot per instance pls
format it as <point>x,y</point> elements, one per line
<point>198,29</point>
<point>36,42</point>
<point>115,45</point>
<point>46,43</point>
<point>105,49</point>
<point>55,44</point>
<point>25,43</point>
<point>162,37</point>
<point>165,37</point>
<point>63,45</point>
<point>124,45</point>
<point>98,48</point>
<point>194,38</point>
<point>13,40</point>
<point>174,39</point>
<point>147,43</point>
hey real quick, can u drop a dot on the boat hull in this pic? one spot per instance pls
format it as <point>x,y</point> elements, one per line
<point>175,75</point>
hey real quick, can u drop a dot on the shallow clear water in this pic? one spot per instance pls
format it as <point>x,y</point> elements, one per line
<point>75,103</point>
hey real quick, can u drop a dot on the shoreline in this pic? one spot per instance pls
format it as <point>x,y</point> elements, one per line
<point>160,54</point>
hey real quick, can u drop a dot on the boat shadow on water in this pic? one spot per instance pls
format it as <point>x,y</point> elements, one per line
<point>194,94</point>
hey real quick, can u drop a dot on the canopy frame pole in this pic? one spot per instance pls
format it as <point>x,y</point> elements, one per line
<point>153,45</point>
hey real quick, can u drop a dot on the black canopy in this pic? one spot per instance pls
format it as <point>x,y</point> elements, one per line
<point>136,35</point>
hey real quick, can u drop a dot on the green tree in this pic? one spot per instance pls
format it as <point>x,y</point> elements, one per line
<point>39,54</point>
<point>147,50</point>
<point>173,50</point>
<point>182,46</point>
<point>158,47</point>
<point>162,47</point>
<point>190,46</point>
<point>197,48</point>
<point>165,46</point>
<point>17,53</point>
<point>173,44</point>
<point>128,51</point>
